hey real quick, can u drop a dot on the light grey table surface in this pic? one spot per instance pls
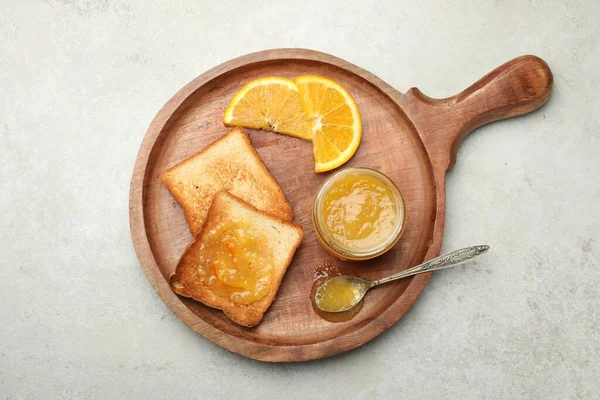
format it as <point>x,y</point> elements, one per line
<point>80,81</point>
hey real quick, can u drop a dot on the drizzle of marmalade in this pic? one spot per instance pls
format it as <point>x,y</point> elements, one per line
<point>359,211</point>
<point>235,262</point>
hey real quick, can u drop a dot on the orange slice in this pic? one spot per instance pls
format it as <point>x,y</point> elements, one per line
<point>336,123</point>
<point>272,104</point>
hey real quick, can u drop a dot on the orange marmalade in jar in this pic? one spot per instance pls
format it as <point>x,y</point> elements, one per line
<point>358,214</point>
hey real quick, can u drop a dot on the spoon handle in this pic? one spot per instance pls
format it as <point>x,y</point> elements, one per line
<point>445,261</point>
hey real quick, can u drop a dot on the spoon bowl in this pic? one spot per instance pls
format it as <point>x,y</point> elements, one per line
<point>341,293</point>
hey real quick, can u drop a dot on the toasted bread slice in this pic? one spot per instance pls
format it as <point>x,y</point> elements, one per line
<point>193,278</point>
<point>230,163</point>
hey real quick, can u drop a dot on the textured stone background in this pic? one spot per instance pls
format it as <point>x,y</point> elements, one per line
<point>80,81</point>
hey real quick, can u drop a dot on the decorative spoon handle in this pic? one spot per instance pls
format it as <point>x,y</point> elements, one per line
<point>447,260</point>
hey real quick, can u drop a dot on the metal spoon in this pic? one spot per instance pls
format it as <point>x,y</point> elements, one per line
<point>355,288</point>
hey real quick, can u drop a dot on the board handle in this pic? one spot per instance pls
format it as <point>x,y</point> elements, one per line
<point>515,88</point>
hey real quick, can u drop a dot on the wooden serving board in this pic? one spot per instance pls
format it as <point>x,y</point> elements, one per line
<point>410,137</point>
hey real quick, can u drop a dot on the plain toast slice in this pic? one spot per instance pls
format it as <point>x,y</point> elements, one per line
<point>229,163</point>
<point>195,276</point>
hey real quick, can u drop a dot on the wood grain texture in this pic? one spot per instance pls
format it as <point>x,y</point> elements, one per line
<point>411,138</point>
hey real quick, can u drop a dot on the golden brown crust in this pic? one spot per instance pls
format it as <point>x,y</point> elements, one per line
<point>253,183</point>
<point>187,283</point>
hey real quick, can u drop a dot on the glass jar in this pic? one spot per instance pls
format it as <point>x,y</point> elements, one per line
<point>359,199</point>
